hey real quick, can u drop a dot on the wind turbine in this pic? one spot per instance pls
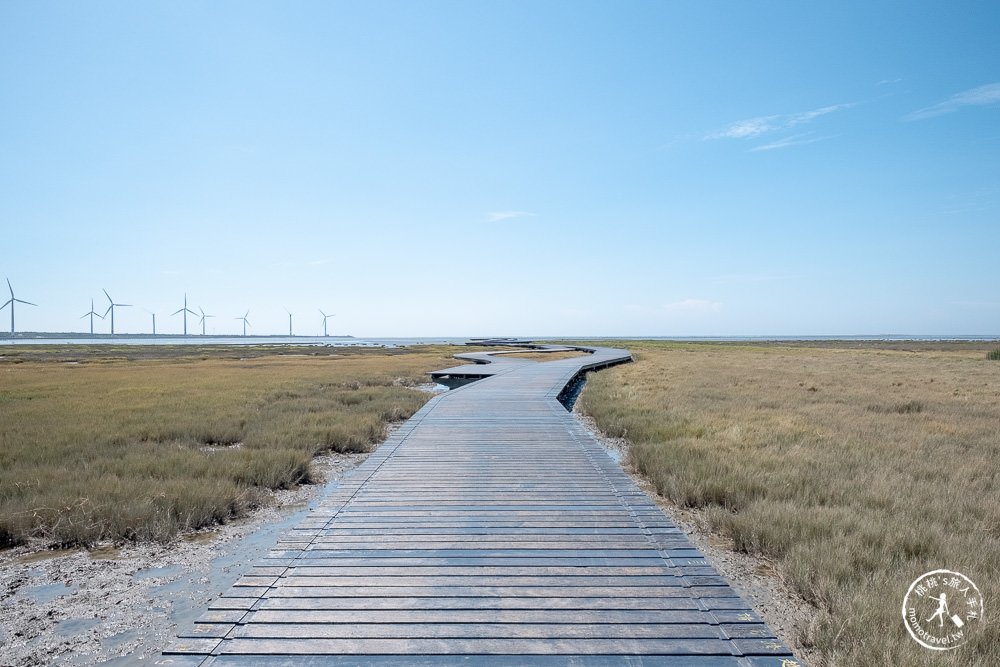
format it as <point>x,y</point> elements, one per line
<point>11,301</point>
<point>203,316</point>
<point>289,322</point>
<point>154,320</point>
<point>245,322</point>
<point>325,318</point>
<point>185,310</point>
<point>92,313</point>
<point>111,309</point>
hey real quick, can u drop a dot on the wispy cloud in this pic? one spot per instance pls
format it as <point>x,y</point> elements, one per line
<point>752,128</point>
<point>497,216</point>
<point>747,129</point>
<point>988,94</point>
<point>794,140</point>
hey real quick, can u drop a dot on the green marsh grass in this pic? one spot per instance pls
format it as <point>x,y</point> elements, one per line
<point>139,443</point>
<point>854,470</point>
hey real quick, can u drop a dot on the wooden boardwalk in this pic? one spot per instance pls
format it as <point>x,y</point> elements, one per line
<point>491,529</point>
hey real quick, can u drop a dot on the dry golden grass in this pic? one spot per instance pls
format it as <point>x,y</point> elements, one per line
<point>856,470</point>
<point>133,446</point>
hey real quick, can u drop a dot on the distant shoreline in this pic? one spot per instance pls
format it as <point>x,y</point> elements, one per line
<point>50,338</point>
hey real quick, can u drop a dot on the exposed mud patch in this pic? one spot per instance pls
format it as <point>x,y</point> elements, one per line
<point>119,604</point>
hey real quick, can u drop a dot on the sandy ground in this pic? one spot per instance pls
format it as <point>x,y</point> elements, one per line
<point>123,605</point>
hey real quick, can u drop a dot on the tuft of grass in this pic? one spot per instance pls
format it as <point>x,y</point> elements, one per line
<point>851,500</point>
<point>993,355</point>
<point>137,446</point>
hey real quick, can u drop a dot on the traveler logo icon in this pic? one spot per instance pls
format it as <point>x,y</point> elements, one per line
<point>932,593</point>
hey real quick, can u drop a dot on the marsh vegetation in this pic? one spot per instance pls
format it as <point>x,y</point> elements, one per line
<point>854,470</point>
<point>141,442</point>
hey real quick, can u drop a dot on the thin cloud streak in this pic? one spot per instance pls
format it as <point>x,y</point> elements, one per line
<point>752,128</point>
<point>794,140</point>
<point>982,95</point>
<point>747,129</point>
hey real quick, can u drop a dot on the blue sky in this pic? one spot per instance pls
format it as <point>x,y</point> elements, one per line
<point>504,168</point>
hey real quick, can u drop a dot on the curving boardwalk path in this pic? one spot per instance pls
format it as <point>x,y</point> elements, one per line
<point>491,529</point>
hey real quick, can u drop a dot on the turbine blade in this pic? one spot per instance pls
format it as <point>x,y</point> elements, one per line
<point>27,302</point>
<point>107,295</point>
<point>108,310</point>
<point>179,311</point>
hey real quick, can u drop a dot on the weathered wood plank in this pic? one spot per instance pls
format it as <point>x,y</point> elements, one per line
<point>507,647</point>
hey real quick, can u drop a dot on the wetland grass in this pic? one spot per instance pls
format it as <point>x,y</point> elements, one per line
<point>854,470</point>
<point>139,443</point>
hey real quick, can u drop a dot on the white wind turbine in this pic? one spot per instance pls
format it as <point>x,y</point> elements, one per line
<point>325,318</point>
<point>245,322</point>
<point>185,310</point>
<point>203,316</point>
<point>154,320</point>
<point>289,322</point>
<point>10,302</point>
<point>111,309</point>
<point>91,314</point>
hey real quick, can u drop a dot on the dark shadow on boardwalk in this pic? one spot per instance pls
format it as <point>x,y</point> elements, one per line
<point>490,529</point>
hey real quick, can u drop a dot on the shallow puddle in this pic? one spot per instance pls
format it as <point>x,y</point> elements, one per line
<point>42,594</point>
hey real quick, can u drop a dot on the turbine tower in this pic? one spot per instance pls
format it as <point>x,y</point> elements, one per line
<point>203,316</point>
<point>325,318</point>
<point>10,302</point>
<point>185,310</point>
<point>245,322</point>
<point>289,322</point>
<point>91,314</point>
<point>111,309</point>
<point>154,320</point>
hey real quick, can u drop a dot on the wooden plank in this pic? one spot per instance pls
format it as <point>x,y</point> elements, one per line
<point>485,630</point>
<point>680,602</point>
<point>581,617</point>
<point>507,647</point>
